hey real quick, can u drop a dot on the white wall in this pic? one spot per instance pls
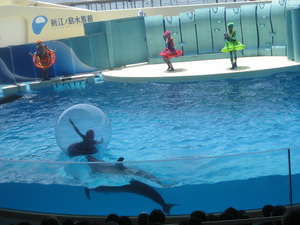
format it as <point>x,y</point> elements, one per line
<point>12,31</point>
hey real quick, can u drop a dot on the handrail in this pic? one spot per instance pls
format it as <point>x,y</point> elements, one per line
<point>94,2</point>
<point>152,161</point>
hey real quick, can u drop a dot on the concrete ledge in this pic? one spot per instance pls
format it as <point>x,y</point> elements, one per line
<point>248,67</point>
<point>14,89</point>
<point>41,84</point>
<point>71,80</point>
<point>89,77</point>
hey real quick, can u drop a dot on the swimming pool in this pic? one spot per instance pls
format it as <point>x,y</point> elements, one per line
<point>176,132</point>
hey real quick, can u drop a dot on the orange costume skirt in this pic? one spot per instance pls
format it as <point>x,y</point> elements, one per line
<point>167,53</point>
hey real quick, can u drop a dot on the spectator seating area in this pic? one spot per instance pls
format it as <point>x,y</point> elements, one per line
<point>268,215</point>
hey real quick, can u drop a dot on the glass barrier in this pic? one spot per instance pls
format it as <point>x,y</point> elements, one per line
<point>295,178</point>
<point>178,187</point>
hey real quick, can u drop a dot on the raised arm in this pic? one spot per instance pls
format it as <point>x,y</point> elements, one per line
<point>99,142</point>
<point>76,129</point>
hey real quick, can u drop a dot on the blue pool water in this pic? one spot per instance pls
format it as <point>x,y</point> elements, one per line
<point>153,121</point>
<point>174,131</point>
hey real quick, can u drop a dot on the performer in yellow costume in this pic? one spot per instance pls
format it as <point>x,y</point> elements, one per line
<point>232,45</point>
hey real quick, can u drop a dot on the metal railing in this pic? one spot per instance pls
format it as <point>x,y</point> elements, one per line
<point>100,5</point>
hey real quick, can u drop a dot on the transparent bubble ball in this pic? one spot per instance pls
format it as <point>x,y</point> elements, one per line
<point>85,117</point>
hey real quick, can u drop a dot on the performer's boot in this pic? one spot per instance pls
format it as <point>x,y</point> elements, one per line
<point>168,63</point>
<point>235,61</point>
<point>170,67</point>
<point>232,64</point>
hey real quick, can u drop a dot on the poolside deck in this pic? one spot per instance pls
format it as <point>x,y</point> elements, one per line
<point>248,67</point>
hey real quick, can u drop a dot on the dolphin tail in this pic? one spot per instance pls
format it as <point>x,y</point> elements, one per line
<point>87,193</point>
<point>167,208</point>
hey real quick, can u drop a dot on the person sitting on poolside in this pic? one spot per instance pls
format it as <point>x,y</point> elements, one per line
<point>86,146</point>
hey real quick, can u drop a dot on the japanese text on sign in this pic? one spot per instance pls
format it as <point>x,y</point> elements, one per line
<point>60,22</point>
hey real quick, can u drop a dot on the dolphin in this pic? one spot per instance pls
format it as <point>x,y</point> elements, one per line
<point>119,168</point>
<point>135,187</point>
<point>9,98</point>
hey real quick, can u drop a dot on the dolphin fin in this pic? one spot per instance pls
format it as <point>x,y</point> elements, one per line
<point>87,193</point>
<point>119,164</point>
<point>167,208</point>
<point>121,159</point>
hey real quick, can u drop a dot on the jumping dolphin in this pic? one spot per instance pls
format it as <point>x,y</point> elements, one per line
<point>119,168</point>
<point>9,98</point>
<point>135,187</point>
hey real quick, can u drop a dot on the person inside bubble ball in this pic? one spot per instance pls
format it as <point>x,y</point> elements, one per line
<point>86,146</point>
